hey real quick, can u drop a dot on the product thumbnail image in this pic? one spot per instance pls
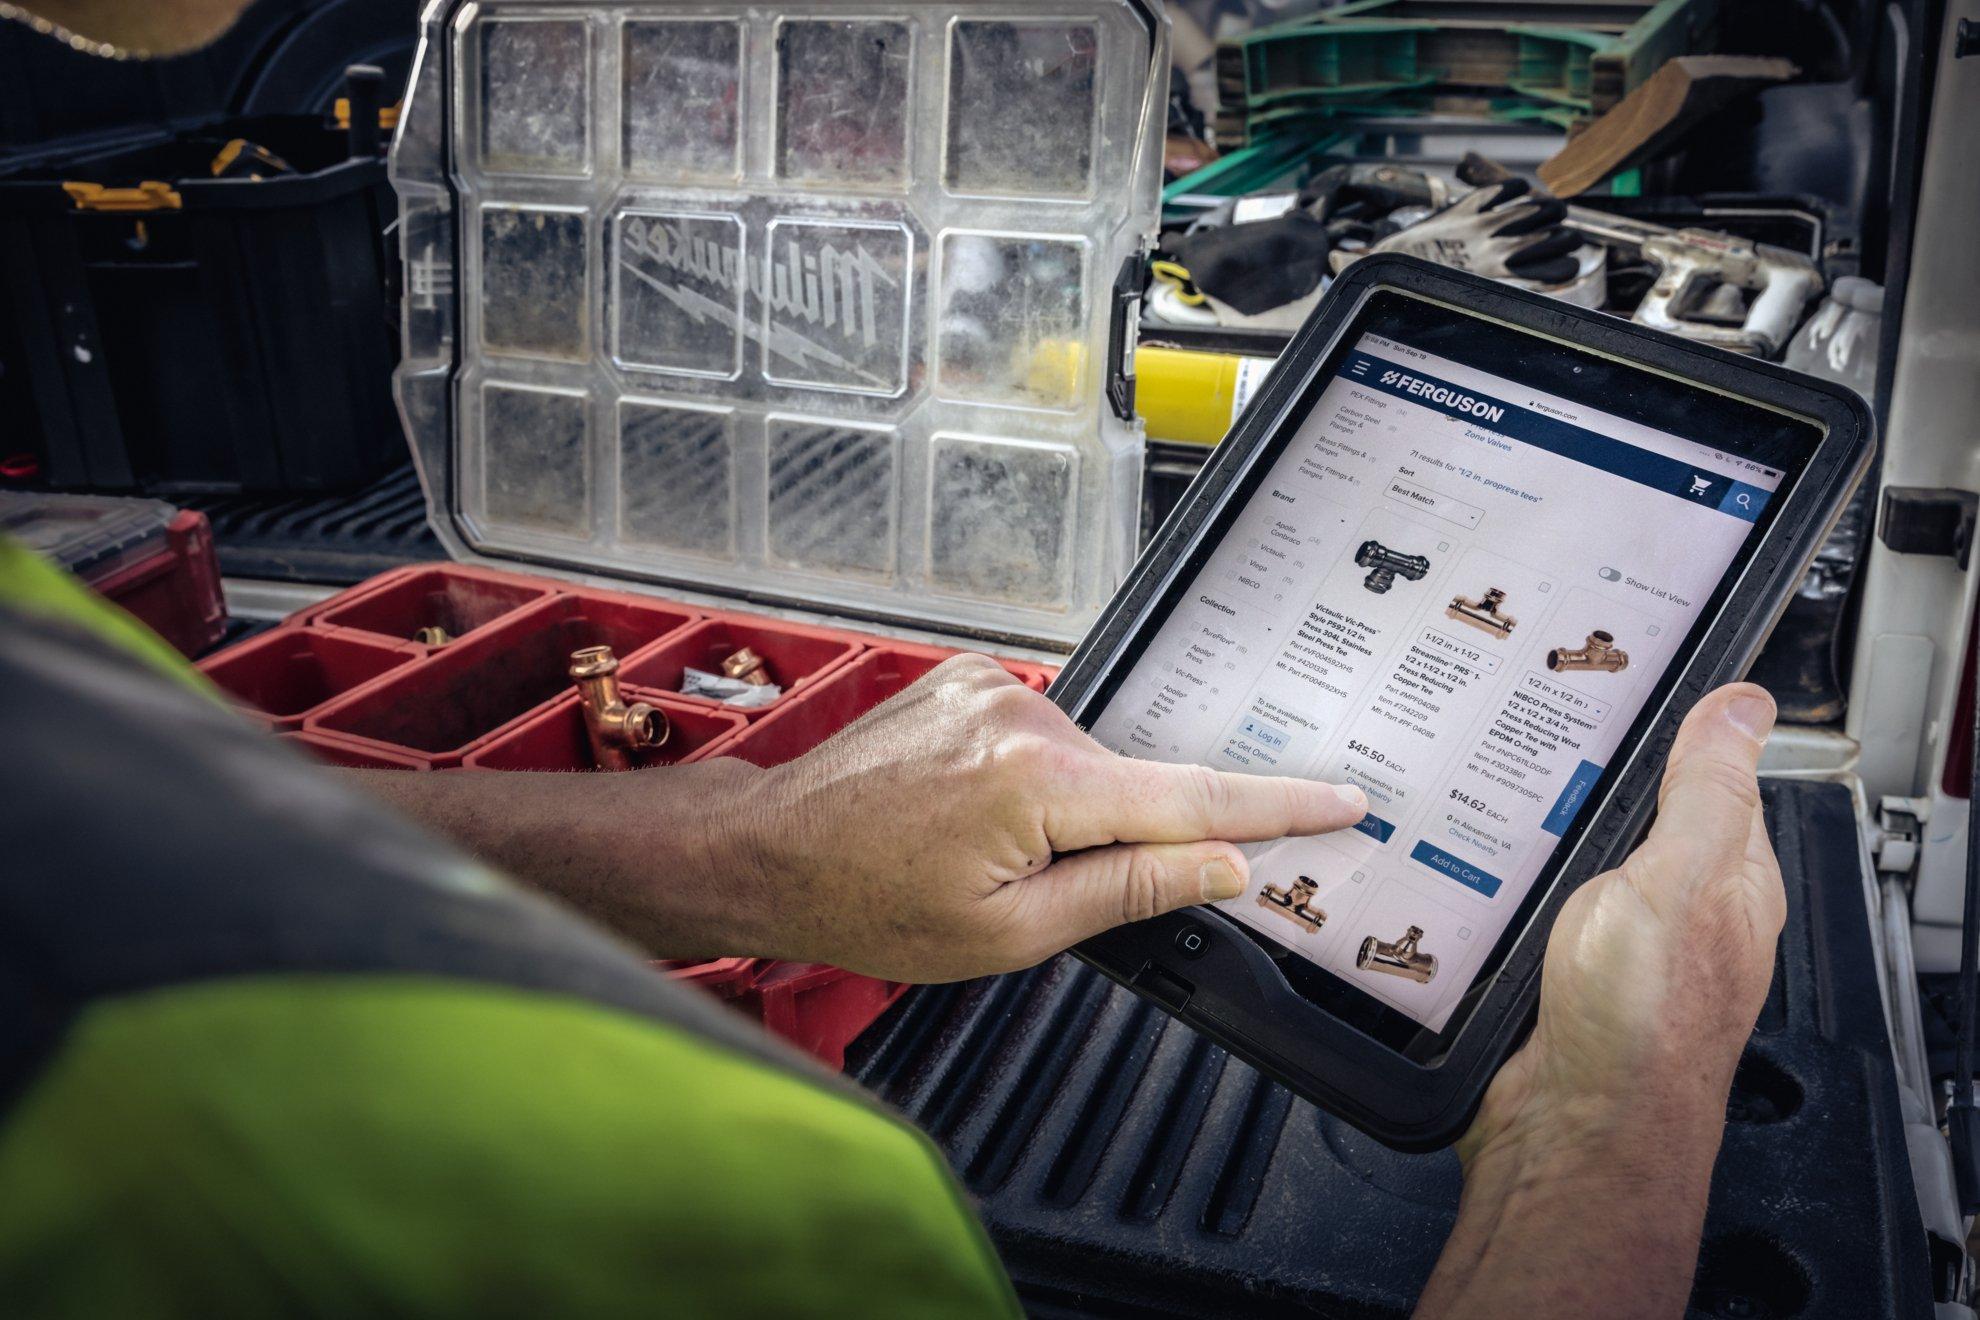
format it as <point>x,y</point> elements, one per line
<point>1401,958</point>
<point>1600,653</point>
<point>1295,904</point>
<point>1386,565</point>
<point>1483,613</point>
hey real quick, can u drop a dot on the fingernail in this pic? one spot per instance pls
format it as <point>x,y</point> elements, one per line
<point>1220,880</point>
<point>1353,797</point>
<point>1752,716</point>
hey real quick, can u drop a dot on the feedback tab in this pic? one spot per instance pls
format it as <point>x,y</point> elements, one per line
<point>1573,794</point>
<point>1453,868</point>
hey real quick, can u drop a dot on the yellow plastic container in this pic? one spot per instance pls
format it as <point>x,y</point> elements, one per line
<point>1193,397</point>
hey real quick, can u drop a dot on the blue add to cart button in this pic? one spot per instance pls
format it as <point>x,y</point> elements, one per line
<point>1375,828</point>
<point>1451,868</point>
<point>1572,796</point>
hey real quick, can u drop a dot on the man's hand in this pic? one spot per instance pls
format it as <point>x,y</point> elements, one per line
<point>1587,1167</point>
<point>969,827</point>
<point>965,827</point>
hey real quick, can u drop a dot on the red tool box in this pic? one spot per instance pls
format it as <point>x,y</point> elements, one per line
<point>438,666</point>
<point>154,560</point>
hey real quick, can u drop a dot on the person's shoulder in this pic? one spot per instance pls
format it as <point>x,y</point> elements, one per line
<point>454,1147</point>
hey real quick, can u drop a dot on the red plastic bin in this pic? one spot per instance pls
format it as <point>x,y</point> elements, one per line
<point>554,738</point>
<point>282,676</point>
<point>474,689</point>
<point>356,758</point>
<point>175,592</point>
<point>457,597</point>
<point>798,657</point>
<point>822,1010</point>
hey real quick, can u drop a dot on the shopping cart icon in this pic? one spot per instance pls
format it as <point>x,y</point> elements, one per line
<point>1699,485</point>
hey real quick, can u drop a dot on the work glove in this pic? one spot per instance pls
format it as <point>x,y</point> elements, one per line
<point>1503,231</point>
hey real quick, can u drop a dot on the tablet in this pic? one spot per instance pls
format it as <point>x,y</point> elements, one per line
<point>1477,552</point>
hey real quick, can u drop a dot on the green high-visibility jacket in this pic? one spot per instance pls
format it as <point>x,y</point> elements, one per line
<point>266,1049</point>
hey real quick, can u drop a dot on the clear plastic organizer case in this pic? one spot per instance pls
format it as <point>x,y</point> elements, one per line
<point>809,301</point>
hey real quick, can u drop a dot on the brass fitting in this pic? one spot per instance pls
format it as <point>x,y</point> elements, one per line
<point>434,636</point>
<point>1385,564</point>
<point>614,729</point>
<point>1402,958</point>
<point>746,666</point>
<point>1483,614</point>
<point>1295,904</point>
<point>1600,653</point>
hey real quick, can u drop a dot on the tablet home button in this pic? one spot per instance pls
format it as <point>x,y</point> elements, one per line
<point>1192,941</point>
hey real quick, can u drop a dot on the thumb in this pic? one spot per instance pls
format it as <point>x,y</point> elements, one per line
<point>1711,795</point>
<point>1087,892</point>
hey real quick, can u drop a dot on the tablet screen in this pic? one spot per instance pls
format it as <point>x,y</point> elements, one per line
<point>1466,564</point>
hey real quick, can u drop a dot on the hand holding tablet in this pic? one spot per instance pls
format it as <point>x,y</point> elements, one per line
<point>1475,553</point>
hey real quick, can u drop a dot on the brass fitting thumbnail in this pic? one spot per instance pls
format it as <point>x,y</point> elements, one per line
<point>614,729</point>
<point>433,636</point>
<point>1483,614</point>
<point>1295,904</point>
<point>1385,565</point>
<point>1600,653</point>
<point>746,666</point>
<point>1402,958</point>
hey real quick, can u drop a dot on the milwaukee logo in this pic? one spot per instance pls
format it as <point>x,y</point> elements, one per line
<point>827,298</point>
<point>1431,391</point>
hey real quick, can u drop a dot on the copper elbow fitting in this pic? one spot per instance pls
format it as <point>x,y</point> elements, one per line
<point>1483,614</point>
<point>1401,958</point>
<point>746,666</point>
<point>1295,904</point>
<point>614,729</point>
<point>433,636</point>
<point>1600,653</point>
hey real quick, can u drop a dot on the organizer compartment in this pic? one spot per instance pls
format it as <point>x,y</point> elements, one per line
<point>283,675</point>
<point>458,599</point>
<point>789,733</point>
<point>471,690</point>
<point>554,739</point>
<point>796,656</point>
<point>331,751</point>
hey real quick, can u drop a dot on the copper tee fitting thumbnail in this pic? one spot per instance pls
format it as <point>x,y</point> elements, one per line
<point>1600,653</point>
<point>1295,904</point>
<point>1483,614</point>
<point>746,666</point>
<point>1402,958</point>
<point>614,729</point>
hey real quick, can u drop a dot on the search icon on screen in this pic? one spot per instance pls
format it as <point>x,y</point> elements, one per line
<point>1743,500</point>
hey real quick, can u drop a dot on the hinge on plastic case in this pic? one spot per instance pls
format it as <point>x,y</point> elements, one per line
<point>1895,848</point>
<point>1123,327</point>
<point>1922,520</point>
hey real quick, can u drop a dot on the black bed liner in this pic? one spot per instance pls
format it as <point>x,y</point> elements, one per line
<point>1126,1166</point>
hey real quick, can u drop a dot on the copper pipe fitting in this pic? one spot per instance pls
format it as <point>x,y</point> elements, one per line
<point>1600,653</point>
<point>1402,958</point>
<point>614,729</point>
<point>1295,904</point>
<point>1483,614</point>
<point>434,636</point>
<point>746,666</point>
